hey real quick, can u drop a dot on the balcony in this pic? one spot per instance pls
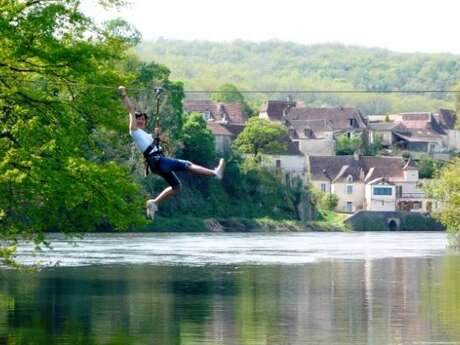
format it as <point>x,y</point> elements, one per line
<point>407,196</point>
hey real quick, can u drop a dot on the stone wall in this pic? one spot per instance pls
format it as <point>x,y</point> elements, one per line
<point>392,221</point>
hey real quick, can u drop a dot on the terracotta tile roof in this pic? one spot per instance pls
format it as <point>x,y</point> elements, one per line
<point>417,135</point>
<point>276,109</point>
<point>218,129</point>
<point>422,121</point>
<point>325,119</point>
<point>366,168</point>
<point>381,180</point>
<point>231,112</point>
<point>422,116</point>
<point>292,148</point>
<point>199,106</point>
<point>232,130</point>
<point>382,126</point>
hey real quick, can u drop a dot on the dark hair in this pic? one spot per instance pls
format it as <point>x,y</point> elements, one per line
<point>141,113</point>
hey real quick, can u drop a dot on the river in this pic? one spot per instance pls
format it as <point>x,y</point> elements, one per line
<point>181,289</point>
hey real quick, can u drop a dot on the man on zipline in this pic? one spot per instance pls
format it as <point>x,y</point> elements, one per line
<point>157,162</point>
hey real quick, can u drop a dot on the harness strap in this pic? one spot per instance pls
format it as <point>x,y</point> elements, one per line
<point>152,152</point>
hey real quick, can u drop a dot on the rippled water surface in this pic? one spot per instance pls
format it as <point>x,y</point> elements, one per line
<point>314,288</point>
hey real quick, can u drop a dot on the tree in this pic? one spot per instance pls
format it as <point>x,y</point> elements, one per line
<point>377,146</point>
<point>52,173</point>
<point>147,76</point>
<point>198,141</point>
<point>229,93</point>
<point>261,136</point>
<point>347,145</point>
<point>427,166</point>
<point>446,189</point>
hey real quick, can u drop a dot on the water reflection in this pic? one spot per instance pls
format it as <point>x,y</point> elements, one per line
<point>385,301</point>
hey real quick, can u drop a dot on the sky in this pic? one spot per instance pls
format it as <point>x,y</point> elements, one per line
<point>399,25</point>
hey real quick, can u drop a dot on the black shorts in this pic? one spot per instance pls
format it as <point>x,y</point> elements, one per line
<point>165,167</point>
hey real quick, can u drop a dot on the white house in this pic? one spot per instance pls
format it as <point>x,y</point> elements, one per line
<point>291,164</point>
<point>316,129</point>
<point>380,195</point>
<point>370,183</point>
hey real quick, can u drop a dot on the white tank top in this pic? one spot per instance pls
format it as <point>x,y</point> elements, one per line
<point>141,138</point>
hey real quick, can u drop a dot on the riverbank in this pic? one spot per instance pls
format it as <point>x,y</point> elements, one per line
<point>331,222</point>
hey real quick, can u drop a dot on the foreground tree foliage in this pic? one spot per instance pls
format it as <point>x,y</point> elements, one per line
<point>446,189</point>
<point>52,173</point>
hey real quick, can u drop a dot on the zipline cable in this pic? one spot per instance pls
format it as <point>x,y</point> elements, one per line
<point>101,86</point>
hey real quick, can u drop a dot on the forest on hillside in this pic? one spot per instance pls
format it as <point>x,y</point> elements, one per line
<point>287,66</point>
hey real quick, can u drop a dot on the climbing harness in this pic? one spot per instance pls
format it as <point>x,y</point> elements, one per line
<point>154,151</point>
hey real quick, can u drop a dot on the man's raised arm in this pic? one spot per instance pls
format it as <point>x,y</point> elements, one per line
<point>129,106</point>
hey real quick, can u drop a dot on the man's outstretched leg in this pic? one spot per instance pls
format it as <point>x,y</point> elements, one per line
<point>152,204</point>
<point>171,178</point>
<point>217,172</point>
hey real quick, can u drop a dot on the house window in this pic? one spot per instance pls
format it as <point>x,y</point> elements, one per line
<point>349,206</point>
<point>383,191</point>
<point>399,191</point>
<point>278,163</point>
<point>352,122</point>
<point>323,187</point>
<point>349,189</point>
<point>207,115</point>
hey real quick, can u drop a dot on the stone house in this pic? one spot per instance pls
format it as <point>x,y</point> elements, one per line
<point>291,164</point>
<point>226,113</point>
<point>276,110</point>
<point>224,135</point>
<point>421,133</point>
<point>369,183</point>
<point>316,129</point>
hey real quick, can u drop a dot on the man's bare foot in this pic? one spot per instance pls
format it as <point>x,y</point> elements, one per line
<point>151,208</point>
<point>219,171</point>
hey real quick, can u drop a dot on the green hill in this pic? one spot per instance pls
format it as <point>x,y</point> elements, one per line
<point>287,66</point>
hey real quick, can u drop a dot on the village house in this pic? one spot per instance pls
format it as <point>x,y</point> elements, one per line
<point>315,130</point>
<point>291,164</point>
<point>224,135</point>
<point>275,110</point>
<point>370,183</point>
<point>422,133</point>
<point>226,113</point>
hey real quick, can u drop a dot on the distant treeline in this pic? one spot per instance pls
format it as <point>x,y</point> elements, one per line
<point>286,66</point>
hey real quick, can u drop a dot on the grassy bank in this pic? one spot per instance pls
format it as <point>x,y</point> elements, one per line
<point>195,224</point>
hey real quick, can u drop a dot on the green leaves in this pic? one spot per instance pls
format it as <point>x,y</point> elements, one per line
<point>261,136</point>
<point>446,189</point>
<point>198,141</point>
<point>348,145</point>
<point>53,175</point>
<point>229,93</point>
